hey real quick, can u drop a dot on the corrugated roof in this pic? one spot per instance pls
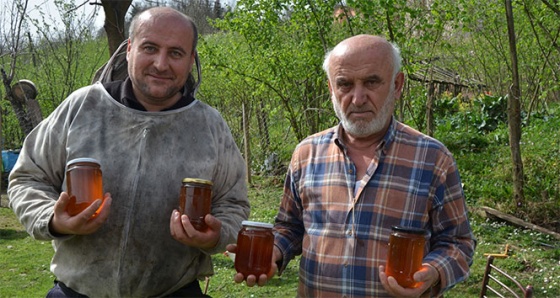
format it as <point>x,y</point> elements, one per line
<point>430,73</point>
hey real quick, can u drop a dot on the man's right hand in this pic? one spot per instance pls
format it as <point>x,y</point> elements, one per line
<point>252,280</point>
<point>83,223</point>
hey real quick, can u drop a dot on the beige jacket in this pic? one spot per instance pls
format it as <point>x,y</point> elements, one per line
<point>144,156</point>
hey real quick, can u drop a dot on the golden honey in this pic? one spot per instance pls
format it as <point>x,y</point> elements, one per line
<point>84,183</point>
<point>405,254</point>
<point>195,200</point>
<point>255,242</point>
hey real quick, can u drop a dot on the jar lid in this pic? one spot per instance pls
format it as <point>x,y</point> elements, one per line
<point>83,159</point>
<point>257,224</point>
<point>197,180</point>
<point>411,230</point>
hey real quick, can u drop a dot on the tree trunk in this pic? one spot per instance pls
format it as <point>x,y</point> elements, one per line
<point>34,111</point>
<point>514,112</point>
<point>19,109</point>
<point>430,109</point>
<point>246,140</point>
<point>262,120</point>
<point>115,12</point>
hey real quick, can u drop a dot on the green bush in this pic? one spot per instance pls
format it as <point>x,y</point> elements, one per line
<point>484,161</point>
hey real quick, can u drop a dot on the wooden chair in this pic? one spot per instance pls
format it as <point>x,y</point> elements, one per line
<point>501,284</point>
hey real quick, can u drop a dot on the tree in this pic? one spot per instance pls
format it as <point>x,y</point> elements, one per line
<point>16,35</point>
<point>543,21</point>
<point>514,111</point>
<point>275,49</point>
<point>115,13</point>
<point>18,10</point>
<point>52,59</point>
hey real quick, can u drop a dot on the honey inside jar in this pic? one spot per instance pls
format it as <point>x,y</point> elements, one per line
<point>255,242</point>
<point>84,183</point>
<point>405,254</point>
<point>195,200</point>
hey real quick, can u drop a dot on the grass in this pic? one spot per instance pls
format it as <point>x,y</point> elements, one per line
<point>24,261</point>
<point>534,258</point>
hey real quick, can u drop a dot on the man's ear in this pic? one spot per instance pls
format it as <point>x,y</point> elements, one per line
<point>399,83</point>
<point>128,47</point>
<point>194,56</point>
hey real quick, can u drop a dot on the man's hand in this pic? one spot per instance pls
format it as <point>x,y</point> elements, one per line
<point>425,278</point>
<point>82,223</point>
<point>263,278</point>
<point>183,231</point>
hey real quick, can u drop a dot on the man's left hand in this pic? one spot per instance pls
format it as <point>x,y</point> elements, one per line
<point>425,278</point>
<point>183,231</point>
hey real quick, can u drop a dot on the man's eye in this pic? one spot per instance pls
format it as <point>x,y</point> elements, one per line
<point>149,49</point>
<point>344,84</point>
<point>176,54</point>
<point>371,83</point>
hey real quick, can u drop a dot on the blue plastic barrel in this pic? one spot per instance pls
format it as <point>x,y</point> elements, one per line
<point>9,158</point>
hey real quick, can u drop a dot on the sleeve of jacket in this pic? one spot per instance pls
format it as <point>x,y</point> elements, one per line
<point>230,204</point>
<point>36,179</point>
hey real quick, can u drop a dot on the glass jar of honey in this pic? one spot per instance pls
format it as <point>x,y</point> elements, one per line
<point>255,242</point>
<point>195,200</point>
<point>405,254</point>
<point>84,183</point>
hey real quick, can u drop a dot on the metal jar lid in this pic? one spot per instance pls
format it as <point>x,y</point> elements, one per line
<point>83,159</point>
<point>197,180</point>
<point>257,224</point>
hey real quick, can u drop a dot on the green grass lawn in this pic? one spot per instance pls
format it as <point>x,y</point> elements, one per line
<point>533,257</point>
<point>24,262</point>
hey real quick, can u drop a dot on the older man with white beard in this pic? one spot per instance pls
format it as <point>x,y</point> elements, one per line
<point>347,186</point>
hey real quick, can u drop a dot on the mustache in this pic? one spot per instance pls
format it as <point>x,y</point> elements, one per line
<point>155,72</point>
<point>354,109</point>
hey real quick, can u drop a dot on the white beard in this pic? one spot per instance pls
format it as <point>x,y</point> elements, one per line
<point>362,128</point>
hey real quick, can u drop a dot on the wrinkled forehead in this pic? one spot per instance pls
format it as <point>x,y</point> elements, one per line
<point>169,21</point>
<point>340,50</point>
<point>364,58</point>
<point>366,48</point>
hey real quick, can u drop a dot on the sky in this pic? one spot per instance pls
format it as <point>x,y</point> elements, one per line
<point>53,15</point>
<point>35,6</point>
<point>48,7</point>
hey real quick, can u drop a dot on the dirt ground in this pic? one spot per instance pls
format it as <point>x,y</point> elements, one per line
<point>3,187</point>
<point>4,199</point>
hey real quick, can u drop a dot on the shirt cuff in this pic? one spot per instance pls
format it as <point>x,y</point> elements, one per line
<point>436,284</point>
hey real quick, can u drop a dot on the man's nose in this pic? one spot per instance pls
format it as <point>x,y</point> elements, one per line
<point>161,61</point>
<point>359,95</point>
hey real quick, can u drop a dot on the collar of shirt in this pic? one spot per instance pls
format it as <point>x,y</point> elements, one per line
<point>122,92</point>
<point>383,145</point>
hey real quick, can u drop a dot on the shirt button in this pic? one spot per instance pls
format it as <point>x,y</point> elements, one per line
<point>349,233</point>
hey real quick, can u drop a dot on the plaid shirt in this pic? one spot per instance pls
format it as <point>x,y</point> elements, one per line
<point>341,225</point>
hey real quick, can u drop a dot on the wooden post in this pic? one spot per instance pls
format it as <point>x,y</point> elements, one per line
<point>246,145</point>
<point>514,112</point>
<point>430,109</point>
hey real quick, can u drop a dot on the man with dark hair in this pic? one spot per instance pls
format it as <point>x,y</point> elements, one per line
<point>148,132</point>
